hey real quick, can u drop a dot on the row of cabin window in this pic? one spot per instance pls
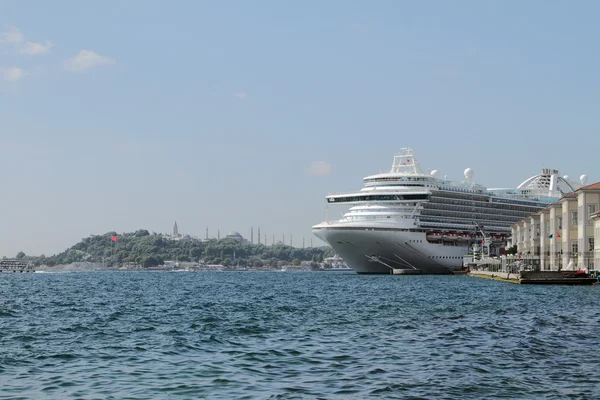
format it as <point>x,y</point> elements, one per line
<point>444,257</point>
<point>498,206</point>
<point>471,210</point>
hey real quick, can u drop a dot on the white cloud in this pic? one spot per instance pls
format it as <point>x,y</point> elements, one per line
<point>13,74</point>
<point>319,168</point>
<point>240,95</point>
<point>15,38</point>
<point>87,59</point>
<point>33,48</point>
<point>12,37</point>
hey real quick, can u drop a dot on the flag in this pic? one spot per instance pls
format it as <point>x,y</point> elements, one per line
<point>557,234</point>
<point>550,236</point>
<point>113,238</point>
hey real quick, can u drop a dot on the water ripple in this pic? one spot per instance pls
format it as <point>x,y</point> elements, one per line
<point>140,335</point>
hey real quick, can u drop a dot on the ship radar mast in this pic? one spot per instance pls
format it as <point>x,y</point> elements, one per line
<point>405,163</point>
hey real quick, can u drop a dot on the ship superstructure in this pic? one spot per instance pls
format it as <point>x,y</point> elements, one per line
<point>413,220</point>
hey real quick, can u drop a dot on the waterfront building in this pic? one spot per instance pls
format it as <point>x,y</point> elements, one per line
<point>595,217</point>
<point>562,235</point>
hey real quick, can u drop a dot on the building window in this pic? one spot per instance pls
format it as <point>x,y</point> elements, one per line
<point>559,222</point>
<point>573,217</point>
<point>591,244</point>
<point>591,209</point>
<point>574,246</point>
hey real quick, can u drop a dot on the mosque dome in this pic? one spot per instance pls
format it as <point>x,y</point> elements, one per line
<point>234,235</point>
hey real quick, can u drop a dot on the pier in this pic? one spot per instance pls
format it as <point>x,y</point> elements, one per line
<point>15,266</point>
<point>508,270</point>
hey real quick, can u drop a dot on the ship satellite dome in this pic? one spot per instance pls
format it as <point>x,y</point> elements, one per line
<point>435,173</point>
<point>566,177</point>
<point>469,174</point>
<point>583,179</point>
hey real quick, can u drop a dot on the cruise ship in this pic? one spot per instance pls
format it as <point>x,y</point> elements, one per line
<point>407,220</point>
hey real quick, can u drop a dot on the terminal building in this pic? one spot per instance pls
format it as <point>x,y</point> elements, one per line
<point>563,235</point>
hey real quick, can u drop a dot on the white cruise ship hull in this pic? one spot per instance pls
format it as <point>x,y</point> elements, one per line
<point>380,249</point>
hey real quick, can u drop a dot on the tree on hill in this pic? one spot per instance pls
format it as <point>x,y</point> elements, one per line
<point>149,249</point>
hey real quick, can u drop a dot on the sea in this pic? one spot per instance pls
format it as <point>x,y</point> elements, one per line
<point>294,335</point>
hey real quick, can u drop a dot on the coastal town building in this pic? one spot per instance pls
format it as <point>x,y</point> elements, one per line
<point>595,217</point>
<point>564,234</point>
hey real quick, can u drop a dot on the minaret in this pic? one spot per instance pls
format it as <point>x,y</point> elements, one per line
<point>265,239</point>
<point>251,235</point>
<point>259,235</point>
<point>291,240</point>
<point>283,238</point>
<point>273,240</point>
<point>311,242</point>
<point>207,233</point>
<point>302,241</point>
<point>218,234</point>
<point>175,230</point>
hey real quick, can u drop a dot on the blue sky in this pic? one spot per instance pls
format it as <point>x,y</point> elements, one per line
<point>121,115</point>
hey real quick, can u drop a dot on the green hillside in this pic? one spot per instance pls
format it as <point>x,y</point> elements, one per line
<point>147,249</point>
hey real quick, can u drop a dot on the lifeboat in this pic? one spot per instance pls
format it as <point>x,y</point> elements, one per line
<point>434,235</point>
<point>450,236</point>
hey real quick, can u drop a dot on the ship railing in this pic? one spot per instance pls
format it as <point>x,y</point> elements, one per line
<point>397,190</point>
<point>366,218</point>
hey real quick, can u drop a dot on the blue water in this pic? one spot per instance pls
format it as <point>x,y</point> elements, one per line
<point>260,335</point>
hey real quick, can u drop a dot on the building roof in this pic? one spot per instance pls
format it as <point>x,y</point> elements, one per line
<point>571,195</point>
<point>593,186</point>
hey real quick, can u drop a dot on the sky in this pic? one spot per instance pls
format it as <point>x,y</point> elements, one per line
<point>131,114</point>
